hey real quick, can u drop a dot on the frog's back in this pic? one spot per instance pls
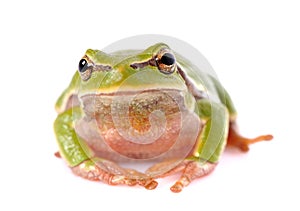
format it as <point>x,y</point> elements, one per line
<point>122,55</point>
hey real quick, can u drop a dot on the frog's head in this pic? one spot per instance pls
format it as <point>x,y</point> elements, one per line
<point>155,68</point>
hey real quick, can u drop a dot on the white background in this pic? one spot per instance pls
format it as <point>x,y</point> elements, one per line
<point>252,45</point>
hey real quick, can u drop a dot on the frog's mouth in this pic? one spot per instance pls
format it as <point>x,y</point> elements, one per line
<point>142,101</point>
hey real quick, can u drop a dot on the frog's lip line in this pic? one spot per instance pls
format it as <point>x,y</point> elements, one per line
<point>131,93</point>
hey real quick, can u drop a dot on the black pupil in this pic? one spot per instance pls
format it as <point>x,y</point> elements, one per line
<point>167,59</point>
<point>82,65</point>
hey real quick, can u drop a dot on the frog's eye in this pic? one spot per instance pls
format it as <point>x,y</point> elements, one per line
<point>83,64</point>
<point>166,61</point>
<point>84,70</point>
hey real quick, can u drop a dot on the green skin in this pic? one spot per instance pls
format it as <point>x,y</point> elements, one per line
<point>216,115</point>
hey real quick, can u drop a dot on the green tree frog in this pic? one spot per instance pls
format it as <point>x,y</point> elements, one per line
<point>144,106</point>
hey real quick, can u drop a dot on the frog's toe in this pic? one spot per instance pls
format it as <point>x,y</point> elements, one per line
<point>151,185</point>
<point>134,177</point>
<point>192,170</point>
<point>178,186</point>
<point>57,154</point>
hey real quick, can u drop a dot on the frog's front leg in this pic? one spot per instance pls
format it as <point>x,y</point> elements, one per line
<point>209,146</point>
<point>81,160</point>
<point>97,169</point>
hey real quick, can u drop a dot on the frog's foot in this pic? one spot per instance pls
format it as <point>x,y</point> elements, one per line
<point>112,174</point>
<point>235,139</point>
<point>191,170</point>
<point>57,154</point>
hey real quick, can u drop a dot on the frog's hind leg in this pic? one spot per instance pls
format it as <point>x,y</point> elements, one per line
<point>237,140</point>
<point>234,138</point>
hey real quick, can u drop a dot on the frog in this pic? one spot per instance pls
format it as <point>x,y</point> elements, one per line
<point>145,105</point>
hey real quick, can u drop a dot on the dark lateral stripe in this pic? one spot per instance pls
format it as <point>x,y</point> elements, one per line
<point>99,67</point>
<point>150,62</point>
<point>198,94</point>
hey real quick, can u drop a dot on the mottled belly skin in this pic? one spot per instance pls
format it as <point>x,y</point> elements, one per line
<point>146,125</point>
